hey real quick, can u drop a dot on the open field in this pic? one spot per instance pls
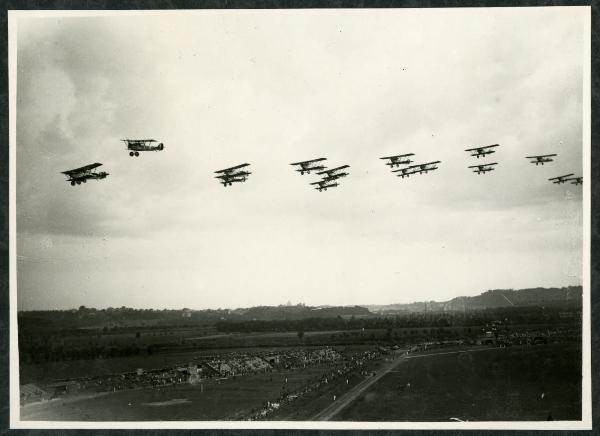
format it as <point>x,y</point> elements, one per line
<point>476,383</point>
<point>517,383</point>
<point>230,398</point>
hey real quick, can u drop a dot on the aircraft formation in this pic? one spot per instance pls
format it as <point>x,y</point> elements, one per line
<point>232,175</point>
<point>482,152</point>
<point>404,159</point>
<point>330,177</point>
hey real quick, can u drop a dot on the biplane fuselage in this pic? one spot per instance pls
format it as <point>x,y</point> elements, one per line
<point>334,176</point>
<point>483,170</point>
<point>482,153</point>
<point>324,187</point>
<point>139,147</point>
<point>397,163</point>
<point>136,145</point>
<point>307,169</point>
<point>231,180</point>
<point>542,161</point>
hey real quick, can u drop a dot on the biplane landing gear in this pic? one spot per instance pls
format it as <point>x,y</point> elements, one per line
<point>131,153</point>
<point>84,180</point>
<point>78,182</point>
<point>137,154</point>
<point>73,183</point>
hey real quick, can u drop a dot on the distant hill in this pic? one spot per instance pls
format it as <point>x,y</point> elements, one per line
<point>568,297</point>
<point>127,318</point>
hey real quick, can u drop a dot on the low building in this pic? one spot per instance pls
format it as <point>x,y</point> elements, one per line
<point>30,393</point>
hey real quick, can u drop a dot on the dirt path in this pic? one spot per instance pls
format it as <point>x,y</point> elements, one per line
<point>329,412</point>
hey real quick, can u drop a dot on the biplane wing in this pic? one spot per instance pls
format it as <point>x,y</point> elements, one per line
<point>334,176</point>
<point>306,162</point>
<point>231,176</point>
<point>82,169</point>
<point>482,148</point>
<point>561,177</point>
<point>333,170</point>
<point>408,172</point>
<point>325,187</point>
<point>399,156</point>
<point>483,165</point>
<point>229,170</point>
<point>540,156</point>
<point>138,141</point>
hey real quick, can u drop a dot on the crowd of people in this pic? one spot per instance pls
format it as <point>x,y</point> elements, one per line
<point>342,366</point>
<point>205,367</point>
<point>234,364</point>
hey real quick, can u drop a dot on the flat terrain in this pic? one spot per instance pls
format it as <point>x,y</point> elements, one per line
<point>469,383</point>
<point>224,399</point>
<point>516,383</point>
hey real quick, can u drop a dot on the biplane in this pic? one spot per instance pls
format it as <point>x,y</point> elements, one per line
<point>136,145</point>
<point>417,169</point>
<point>334,176</point>
<point>81,175</point>
<point>324,185</point>
<point>396,161</point>
<point>306,166</point>
<point>231,175</point>
<point>483,168</point>
<point>541,159</point>
<point>333,172</point>
<point>405,172</point>
<point>561,179</point>
<point>425,167</point>
<point>576,180</point>
<point>482,151</point>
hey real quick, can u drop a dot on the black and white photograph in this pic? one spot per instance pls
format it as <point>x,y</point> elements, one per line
<point>300,218</point>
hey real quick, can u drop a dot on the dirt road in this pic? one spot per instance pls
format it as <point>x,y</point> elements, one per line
<point>329,412</point>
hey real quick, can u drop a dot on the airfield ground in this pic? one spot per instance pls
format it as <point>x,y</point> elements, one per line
<point>230,398</point>
<point>517,383</point>
<point>474,383</point>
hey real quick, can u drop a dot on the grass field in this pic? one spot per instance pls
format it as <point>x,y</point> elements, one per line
<point>517,383</point>
<point>470,383</point>
<point>213,400</point>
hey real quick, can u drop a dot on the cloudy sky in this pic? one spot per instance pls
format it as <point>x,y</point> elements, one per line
<point>221,88</point>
